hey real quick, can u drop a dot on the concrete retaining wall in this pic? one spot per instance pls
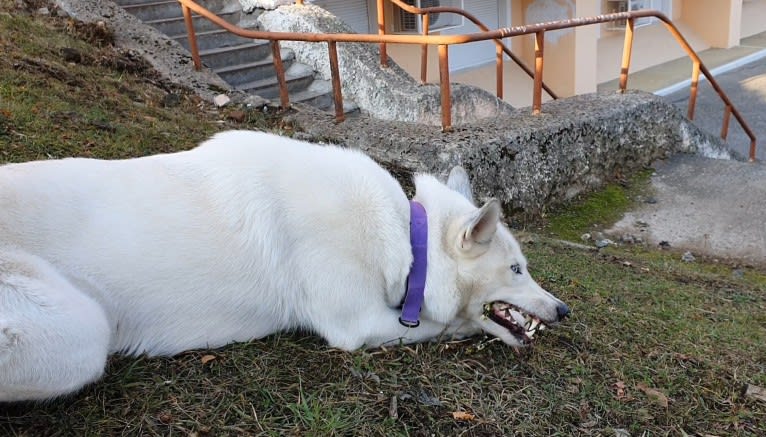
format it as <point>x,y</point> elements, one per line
<point>530,162</point>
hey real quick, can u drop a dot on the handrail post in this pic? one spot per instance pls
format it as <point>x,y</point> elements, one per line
<point>382,31</point>
<point>424,51</point>
<point>752,149</point>
<point>192,37</point>
<point>693,91</point>
<point>537,91</point>
<point>336,91</point>
<point>499,70</point>
<point>279,68</point>
<point>445,88</point>
<point>627,49</point>
<point>725,125</point>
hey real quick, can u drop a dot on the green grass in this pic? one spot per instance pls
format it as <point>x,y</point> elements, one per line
<point>111,105</point>
<point>642,320</point>
<point>602,207</point>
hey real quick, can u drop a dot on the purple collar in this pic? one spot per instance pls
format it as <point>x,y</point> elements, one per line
<point>416,281</point>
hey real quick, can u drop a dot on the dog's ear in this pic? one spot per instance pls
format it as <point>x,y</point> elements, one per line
<point>480,228</point>
<point>458,181</point>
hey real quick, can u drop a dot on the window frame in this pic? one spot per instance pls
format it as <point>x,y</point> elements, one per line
<point>398,14</point>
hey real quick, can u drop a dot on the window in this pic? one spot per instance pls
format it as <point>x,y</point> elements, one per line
<point>405,22</point>
<point>613,6</point>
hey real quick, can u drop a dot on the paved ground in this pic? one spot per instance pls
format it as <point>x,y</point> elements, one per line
<point>746,87</point>
<point>712,207</point>
<point>673,72</point>
<point>707,206</point>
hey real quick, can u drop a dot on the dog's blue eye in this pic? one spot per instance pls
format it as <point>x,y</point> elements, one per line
<point>516,269</point>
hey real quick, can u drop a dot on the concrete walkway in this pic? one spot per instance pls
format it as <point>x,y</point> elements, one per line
<point>707,206</point>
<point>746,87</point>
<point>664,78</point>
<point>710,207</point>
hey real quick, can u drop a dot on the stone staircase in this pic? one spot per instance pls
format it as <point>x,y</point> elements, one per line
<point>243,63</point>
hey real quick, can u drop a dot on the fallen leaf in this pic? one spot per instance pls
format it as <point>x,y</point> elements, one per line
<point>655,395</point>
<point>393,411</point>
<point>755,392</point>
<point>462,415</point>
<point>620,387</point>
<point>207,358</point>
<point>683,357</point>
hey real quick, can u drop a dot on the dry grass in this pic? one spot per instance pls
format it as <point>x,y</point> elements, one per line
<point>655,346</point>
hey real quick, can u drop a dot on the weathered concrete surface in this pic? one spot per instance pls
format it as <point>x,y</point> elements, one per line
<point>530,162</point>
<point>707,206</point>
<point>250,5</point>
<point>385,93</point>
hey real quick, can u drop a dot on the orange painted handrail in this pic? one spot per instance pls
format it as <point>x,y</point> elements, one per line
<point>425,12</point>
<point>444,41</point>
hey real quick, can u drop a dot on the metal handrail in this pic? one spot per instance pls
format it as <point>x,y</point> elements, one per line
<point>424,13</point>
<point>444,41</point>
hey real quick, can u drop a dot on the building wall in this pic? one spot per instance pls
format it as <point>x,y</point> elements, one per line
<point>586,50</point>
<point>645,54</point>
<point>716,21</point>
<point>753,18</point>
<point>558,47</point>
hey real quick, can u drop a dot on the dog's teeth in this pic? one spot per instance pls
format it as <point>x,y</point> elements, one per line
<point>518,317</point>
<point>534,324</point>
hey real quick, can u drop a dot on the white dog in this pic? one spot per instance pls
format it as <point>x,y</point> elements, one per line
<point>244,236</point>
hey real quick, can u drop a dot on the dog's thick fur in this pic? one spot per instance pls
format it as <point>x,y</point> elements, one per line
<point>244,236</point>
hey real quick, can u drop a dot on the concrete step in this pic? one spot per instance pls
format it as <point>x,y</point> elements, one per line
<point>155,10</point>
<point>298,77</point>
<point>240,74</point>
<point>177,25</point>
<point>239,54</point>
<point>244,63</point>
<point>319,95</point>
<point>158,10</point>
<point>212,39</point>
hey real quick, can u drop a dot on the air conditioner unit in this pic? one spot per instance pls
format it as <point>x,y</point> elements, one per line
<point>407,22</point>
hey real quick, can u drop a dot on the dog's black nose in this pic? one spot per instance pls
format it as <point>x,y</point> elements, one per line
<point>563,311</point>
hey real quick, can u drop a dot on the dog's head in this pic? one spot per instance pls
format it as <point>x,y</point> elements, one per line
<point>497,293</point>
